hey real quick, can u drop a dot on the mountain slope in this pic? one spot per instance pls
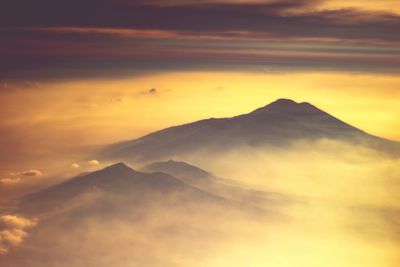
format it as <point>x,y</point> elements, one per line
<point>276,124</point>
<point>118,215</point>
<point>186,172</point>
<point>225,188</point>
<point>114,188</point>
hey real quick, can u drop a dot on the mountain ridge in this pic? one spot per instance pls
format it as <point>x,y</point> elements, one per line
<point>116,179</point>
<point>276,124</point>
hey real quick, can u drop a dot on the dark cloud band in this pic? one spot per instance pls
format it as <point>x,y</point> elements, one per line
<point>89,38</point>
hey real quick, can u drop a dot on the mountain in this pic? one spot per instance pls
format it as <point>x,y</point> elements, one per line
<point>112,189</point>
<point>223,187</point>
<point>182,170</point>
<point>277,124</point>
<point>118,215</point>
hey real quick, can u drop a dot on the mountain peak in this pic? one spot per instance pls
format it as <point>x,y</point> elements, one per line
<point>283,105</point>
<point>284,101</point>
<point>117,168</point>
<point>177,168</point>
<point>118,165</point>
<point>276,124</point>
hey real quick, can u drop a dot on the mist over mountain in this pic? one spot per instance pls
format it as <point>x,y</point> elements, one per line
<point>224,187</point>
<point>276,125</point>
<point>138,211</point>
<point>112,189</point>
<point>117,213</point>
<point>184,171</point>
<point>172,213</point>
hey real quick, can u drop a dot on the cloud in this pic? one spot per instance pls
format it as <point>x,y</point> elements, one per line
<point>32,173</point>
<point>14,221</point>
<point>271,17</point>
<point>9,181</point>
<point>231,36</point>
<point>15,178</point>
<point>13,231</point>
<point>124,33</point>
<point>93,162</point>
<point>75,165</point>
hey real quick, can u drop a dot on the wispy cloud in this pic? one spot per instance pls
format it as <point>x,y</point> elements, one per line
<point>32,173</point>
<point>9,181</point>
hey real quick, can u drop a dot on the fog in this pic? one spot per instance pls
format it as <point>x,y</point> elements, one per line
<point>346,210</point>
<point>326,203</point>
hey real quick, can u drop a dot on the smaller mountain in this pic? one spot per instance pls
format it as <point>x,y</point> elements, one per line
<point>226,188</point>
<point>114,188</point>
<point>123,209</point>
<point>182,170</point>
<point>118,207</point>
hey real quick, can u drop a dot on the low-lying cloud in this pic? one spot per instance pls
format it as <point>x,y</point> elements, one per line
<point>93,162</point>
<point>9,181</point>
<point>32,173</point>
<point>18,178</point>
<point>13,231</point>
<point>75,166</point>
<point>344,211</point>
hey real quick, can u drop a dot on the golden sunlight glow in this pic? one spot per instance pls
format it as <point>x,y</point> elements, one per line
<point>287,152</point>
<point>103,111</point>
<point>365,101</point>
<point>333,222</point>
<point>392,6</point>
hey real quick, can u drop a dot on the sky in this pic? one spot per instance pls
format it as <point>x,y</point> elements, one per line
<point>78,74</point>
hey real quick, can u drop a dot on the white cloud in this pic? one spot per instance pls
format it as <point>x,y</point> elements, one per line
<point>10,181</point>
<point>12,231</point>
<point>93,162</point>
<point>75,166</point>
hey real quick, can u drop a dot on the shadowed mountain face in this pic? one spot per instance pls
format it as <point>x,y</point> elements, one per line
<point>276,125</point>
<point>182,170</point>
<point>101,191</point>
<point>225,188</point>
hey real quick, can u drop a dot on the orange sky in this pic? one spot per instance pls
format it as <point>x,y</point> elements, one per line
<point>63,116</point>
<point>382,5</point>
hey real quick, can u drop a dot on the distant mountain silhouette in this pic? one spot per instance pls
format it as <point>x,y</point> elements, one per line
<point>182,170</point>
<point>276,124</point>
<point>112,189</point>
<point>143,209</point>
<point>223,187</point>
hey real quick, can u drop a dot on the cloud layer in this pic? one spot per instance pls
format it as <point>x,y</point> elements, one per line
<point>117,38</point>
